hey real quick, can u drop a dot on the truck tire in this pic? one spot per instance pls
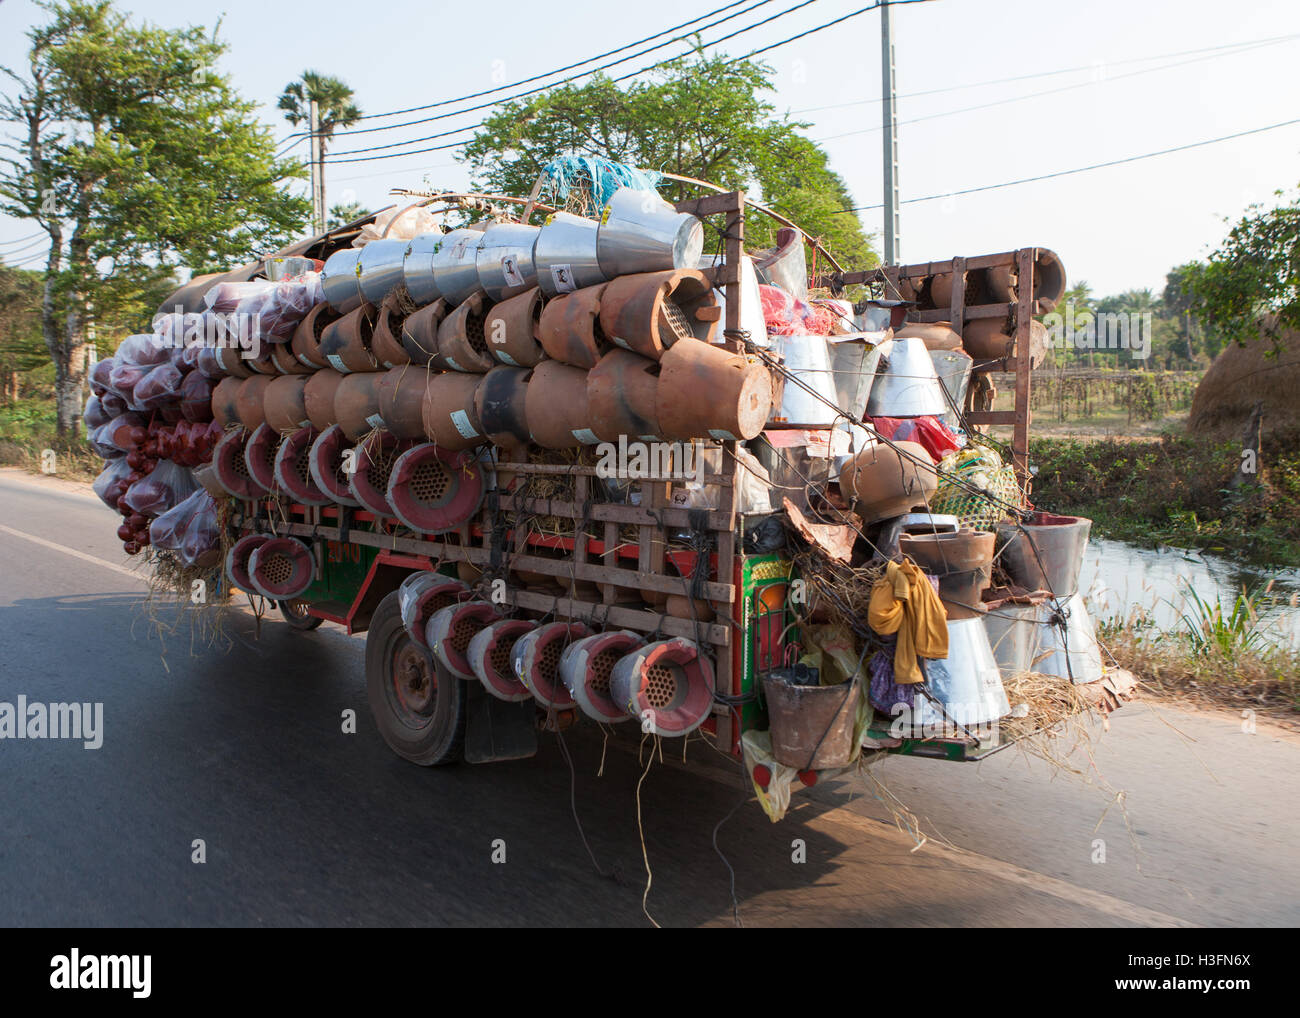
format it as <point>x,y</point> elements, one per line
<point>295,614</point>
<point>418,706</point>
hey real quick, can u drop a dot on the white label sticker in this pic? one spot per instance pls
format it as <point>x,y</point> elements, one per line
<point>452,364</point>
<point>621,343</point>
<point>586,436</point>
<point>562,276</point>
<point>461,420</point>
<point>304,423</point>
<point>510,269</point>
<point>338,364</point>
<point>505,358</point>
<point>722,436</point>
<point>306,362</point>
<point>375,421</point>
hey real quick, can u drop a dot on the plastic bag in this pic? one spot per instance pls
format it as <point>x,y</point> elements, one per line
<point>94,414</point>
<point>160,386</point>
<point>190,529</point>
<point>409,225</point>
<point>288,305</point>
<point>196,397</point>
<point>166,487</point>
<point>207,364</point>
<point>226,297</point>
<point>786,315</point>
<point>119,432</point>
<point>113,404</point>
<point>111,484</point>
<point>125,375</point>
<point>98,439</point>
<point>142,349</point>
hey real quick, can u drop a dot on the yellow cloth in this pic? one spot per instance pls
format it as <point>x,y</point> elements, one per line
<point>903,602</point>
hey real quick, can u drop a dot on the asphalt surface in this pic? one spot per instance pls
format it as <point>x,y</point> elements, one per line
<point>238,741</point>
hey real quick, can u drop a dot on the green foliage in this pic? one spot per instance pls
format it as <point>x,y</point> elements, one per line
<point>341,215</point>
<point>21,346</point>
<point>1254,276</point>
<point>699,117</point>
<point>1211,627</point>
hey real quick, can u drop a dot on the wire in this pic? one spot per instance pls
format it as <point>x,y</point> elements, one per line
<point>22,240</point>
<point>854,14</point>
<point>26,248</point>
<point>1080,169</point>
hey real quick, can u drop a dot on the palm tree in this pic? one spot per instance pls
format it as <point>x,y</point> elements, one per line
<point>334,108</point>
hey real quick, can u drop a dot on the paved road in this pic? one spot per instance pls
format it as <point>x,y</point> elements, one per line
<point>241,746</point>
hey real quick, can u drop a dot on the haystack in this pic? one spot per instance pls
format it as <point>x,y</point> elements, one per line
<point>1242,376</point>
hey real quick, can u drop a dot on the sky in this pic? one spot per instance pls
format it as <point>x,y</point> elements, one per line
<point>1101,81</point>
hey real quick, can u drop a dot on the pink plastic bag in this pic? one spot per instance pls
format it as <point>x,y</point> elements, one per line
<point>161,386</point>
<point>111,483</point>
<point>785,315</point>
<point>165,488</point>
<point>190,528</point>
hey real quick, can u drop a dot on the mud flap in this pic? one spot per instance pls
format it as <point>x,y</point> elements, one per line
<point>497,730</point>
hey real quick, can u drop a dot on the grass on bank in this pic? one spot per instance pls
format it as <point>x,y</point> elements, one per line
<point>28,428</point>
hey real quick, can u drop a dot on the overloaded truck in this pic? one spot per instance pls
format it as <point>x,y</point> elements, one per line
<point>620,469</point>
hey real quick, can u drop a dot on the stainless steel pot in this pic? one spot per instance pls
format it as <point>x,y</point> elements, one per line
<point>455,271</point>
<point>417,268</point>
<point>640,232</point>
<point>380,268</point>
<point>565,254</point>
<point>339,279</point>
<point>505,260</point>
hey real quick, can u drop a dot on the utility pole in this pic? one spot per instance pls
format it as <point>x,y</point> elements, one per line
<point>889,92</point>
<point>317,169</point>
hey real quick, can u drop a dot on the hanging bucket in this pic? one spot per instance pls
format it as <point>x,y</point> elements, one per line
<point>556,407</point>
<point>1046,552</point>
<point>420,334</point>
<point>536,660</point>
<point>640,232</point>
<point>967,683</point>
<point>259,455</point>
<point>346,343</point>
<point>569,329</point>
<point>881,483</point>
<point>375,457</point>
<point>455,270</point>
<point>505,260</point>
<point>954,370</point>
<point>423,594</point>
<point>668,685</point>
<point>808,360</point>
<point>379,269</point>
<point>906,384</point>
<point>281,568</point>
<point>647,313</point>
<point>284,403</point>
<point>293,468</point>
<point>811,726</point>
<point>305,343</point>
<point>513,329</point>
<point>237,560</point>
<point>491,658</point>
<point>401,393</point>
<point>462,341</point>
<point>451,629</point>
<point>586,667</point>
<point>565,254</point>
<point>356,404</point>
<point>327,465</point>
<point>433,490</point>
<point>232,469</point>
<point>500,402</point>
<point>622,397</point>
<point>318,398</point>
<point>706,392</point>
<point>386,342</point>
<point>449,415</point>
<point>340,281</point>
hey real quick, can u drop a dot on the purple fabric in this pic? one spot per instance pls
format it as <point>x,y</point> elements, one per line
<point>884,691</point>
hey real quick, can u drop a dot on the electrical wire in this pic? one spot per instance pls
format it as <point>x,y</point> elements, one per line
<point>22,240</point>
<point>1079,169</point>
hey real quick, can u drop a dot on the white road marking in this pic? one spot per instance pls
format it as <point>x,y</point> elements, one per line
<point>74,553</point>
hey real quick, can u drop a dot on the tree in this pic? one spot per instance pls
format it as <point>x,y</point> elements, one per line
<point>334,108</point>
<point>341,215</point>
<point>21,348</point>
<point>1179,307</point>
<point>1252,281</point>
<point>134,155</point>
<point>700,117</point>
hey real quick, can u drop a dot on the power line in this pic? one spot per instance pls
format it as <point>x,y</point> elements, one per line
<point>27,247</point>
<point>22,240</point>
<point>1080,169</point>
<point>854,14</point>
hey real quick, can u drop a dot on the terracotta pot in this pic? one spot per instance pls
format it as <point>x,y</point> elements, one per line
<point>281,568</point>
<point>881,484</point>
<point>346,343</point>
<point>432,489</point>
<point>462,343</point>
<point>962,561</point>
<point>1002,281</point>
<point>326,461</point>
<point>259,455</point>
<point>468,572</point>
<point>293,468</point>
<point>285,362</point>
<point>262,363</point>
<point>513,329</point>
<point>401,400</point>
<point>249,404</point>
<point>556,407</point>
<point>935,335</point>
<point>419,336</point>
<point>356,404</point>
<point>306,338</point>
<point>941,288</point>
<point>449,416</point>
<point>374,461</point>
<point>990,340</point>
<point>206,475</point>
<point>649,311</point>
<point>706,392</point>
<point>230,359</point>
<point>500,402</point>
<point>284,403</point>
<point>622,394</point>
<point>318,398</point>
<point>679,606</point>
<point>232,469</point>
<point>386,343</point>
<point>570,329</point>
<point>225,407</point>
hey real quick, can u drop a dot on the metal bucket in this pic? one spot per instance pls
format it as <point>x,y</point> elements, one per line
<point>811,726</point>
<point>967,682</point>
<point>906,384</point>
<point>854,360</point>
<point>340,282</point>
<point>455,265</point>
<point>640,232</point>
<point>954,370</point>
<point>808,360</point>
<point>380,268</point>
<point>417,268</point>
<point>565,254</point>
<point>505,260</point>
<point>1024,639</point>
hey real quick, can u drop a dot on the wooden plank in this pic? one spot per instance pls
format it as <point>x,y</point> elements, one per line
<point>608,592</point>
<point>991,416</point>
<point>712,204</point>
<point>623,618</point>
<point>956,313</point>
<point>1024,320</point>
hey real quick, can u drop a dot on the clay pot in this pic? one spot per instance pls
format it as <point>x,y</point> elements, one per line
<point>249,402</point>
<point>328,467</point>
<point>570,329</point>
<point>462,342</point>
<point>259,455</point>
<point>433,490</point>
<point>500,402</point>
<point>293,468</point>
<point>284,403</point>
<point>419,335</point>
<point>401,400</point>
<point>679,606</point>
<point>356,404</point>
<point>448,414</point>
<point>706,392</point>
<point>231,361</point>
<point>225,408</point>
<point>346,343</point>
<point>305,343</point>
<point>556,407</point>
<point>941,288</point>
<point>513,329</point>
<point>622,393</point>
<point>650,311</point>
<point>881,484</point>
<point>318,398</point>
<point>935,335</point>
<point>991,339</point>
<point>386,343</point>
<point>1002,281</point>
<point>962,561</point>
<point>468,572</point>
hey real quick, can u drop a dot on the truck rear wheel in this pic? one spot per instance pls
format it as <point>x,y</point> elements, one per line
<point>295,613</point>
<point>419,707</point>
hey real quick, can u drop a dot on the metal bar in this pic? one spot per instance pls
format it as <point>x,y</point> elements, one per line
<point>889,110</point>
<point>1024,320</point>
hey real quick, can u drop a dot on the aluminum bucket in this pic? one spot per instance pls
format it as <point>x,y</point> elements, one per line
<point>455,271</point>
<point>565,254</point>
<point>854,360</point>
<point>417,268</point>
<point>1024,639</point>
<point>967,682</point>
<point>954,369</point>
<point>505,260</point>
<point>906,384</point>
<point>339,280</point>
<point>380,268</point>
<point>640,232</point>
<point>808,360</point>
